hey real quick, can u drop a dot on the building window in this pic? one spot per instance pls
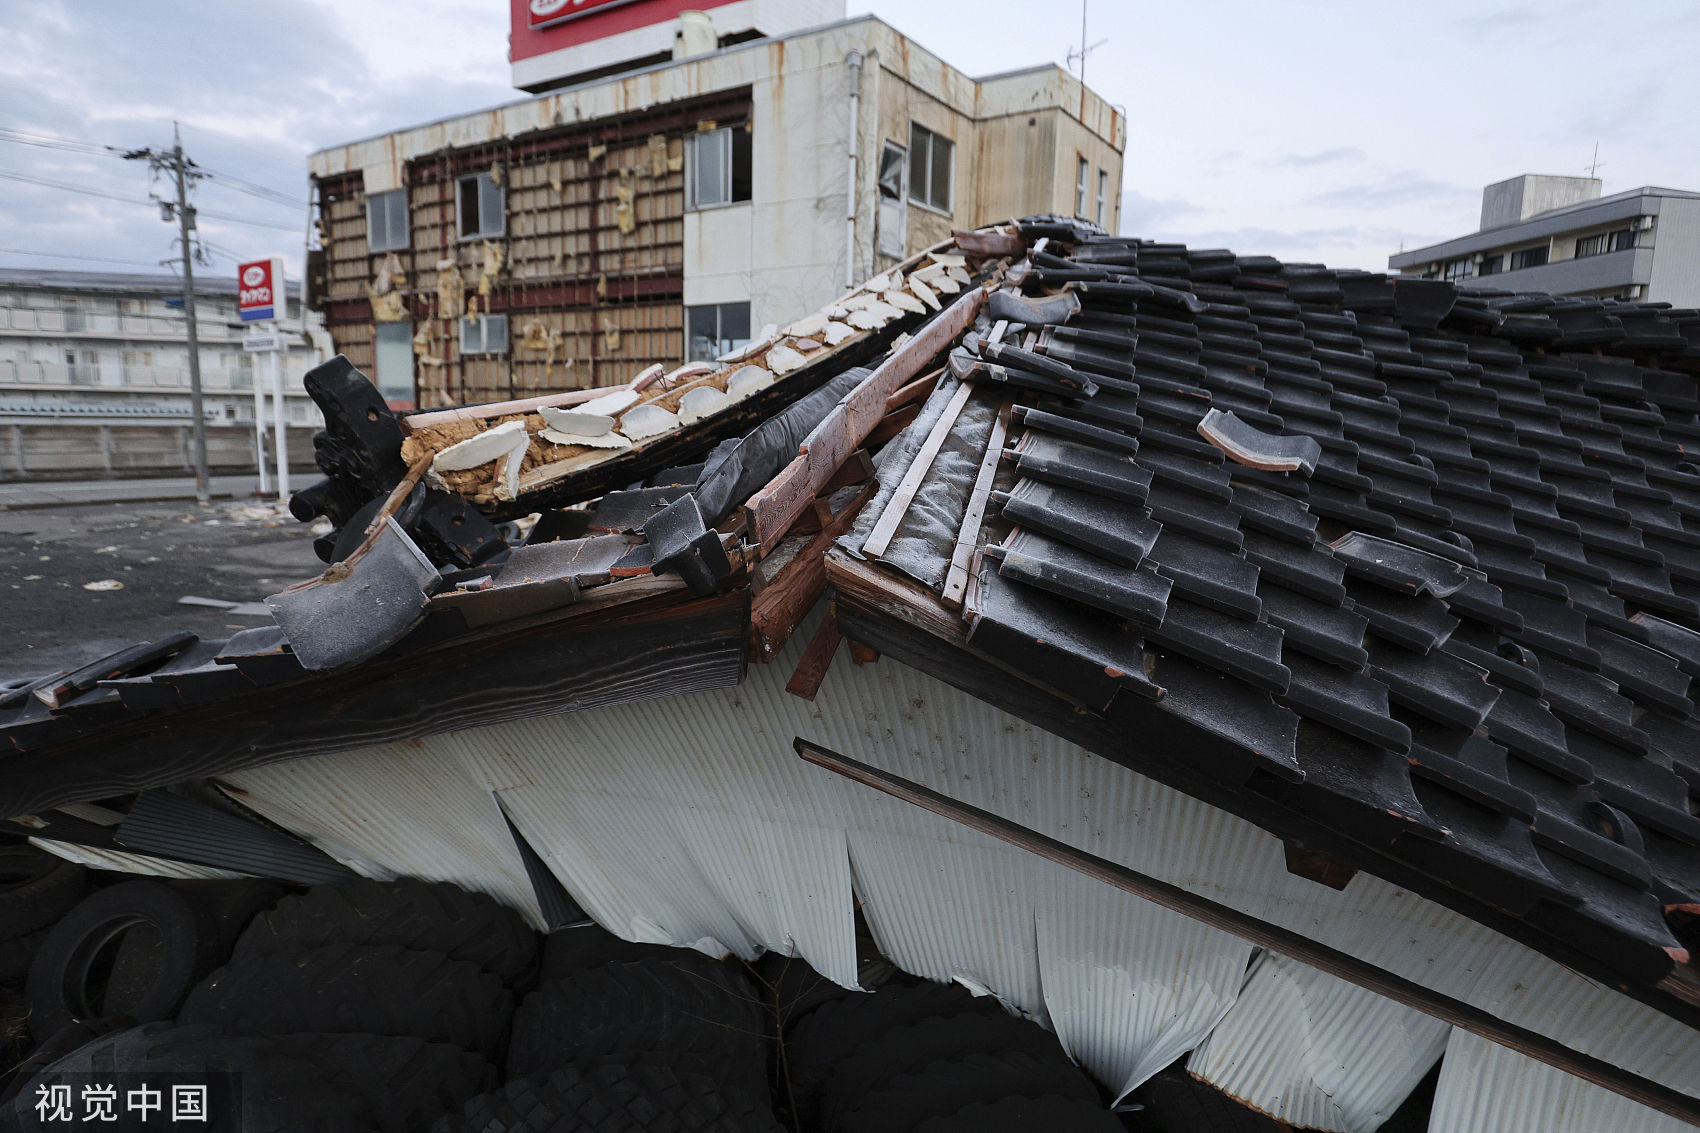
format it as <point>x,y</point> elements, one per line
<point>930,159</point>
<point>241,367</point>
<point>1621,240</point>
<point>1459,269</point>
<point>394,357</point>
<point>487,334</point>
<point>1492,265</point>
<point>717,167</point>
<point>480,205</point>
<point>1083,169</point>
<point>715,329</point>
<point>386,221</point>
<point>1103,194</point>
<point>1590,245</point>
<point>1529,258</point>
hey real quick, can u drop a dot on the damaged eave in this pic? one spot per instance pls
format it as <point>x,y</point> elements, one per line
<point>586,655</point>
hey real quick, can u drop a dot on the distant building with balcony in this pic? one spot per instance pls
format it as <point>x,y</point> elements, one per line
<point>94,375</point>
<point>1558,235</point>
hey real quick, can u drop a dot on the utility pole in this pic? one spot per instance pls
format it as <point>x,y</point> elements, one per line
<point>178,166</point>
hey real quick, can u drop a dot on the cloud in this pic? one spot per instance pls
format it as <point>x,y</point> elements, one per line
<point>1398,189</point>
<point>1320,157</point>
<point>1149,216</point>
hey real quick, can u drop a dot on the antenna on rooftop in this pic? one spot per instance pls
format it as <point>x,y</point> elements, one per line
<point>1085,48</point>
<point>1594,166</point>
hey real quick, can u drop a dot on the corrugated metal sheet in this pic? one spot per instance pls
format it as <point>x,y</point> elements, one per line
<point>96,858</point>
<point>1486,1088</point>
<point>1317,1052</point>
<point>692,821</point>
<point>399,810</point>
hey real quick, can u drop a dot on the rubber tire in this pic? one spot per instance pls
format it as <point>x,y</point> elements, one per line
<point>1175,1099</point>
<point>944,1087</point>
<point>791,987</point>
<point>937,1043</point>
<point>828,1035</point>
<point>16,955</point>
<point>36,889</point>
<point>278,1094</point>
<point>688,1005</point>
<point>1026,1115</point>
<point>646,1094</point>
<point>357,989</point>
<point>427,915</point>
<point>57,987</point>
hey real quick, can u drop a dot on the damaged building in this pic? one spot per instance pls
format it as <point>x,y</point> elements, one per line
<point>683,180</point>
<point>1264,693</point>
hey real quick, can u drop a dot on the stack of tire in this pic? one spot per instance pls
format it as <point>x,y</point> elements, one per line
<point>931,1058</point>
<point>36,890</point>
<point>345,1009</point>
<point>668,1042</point>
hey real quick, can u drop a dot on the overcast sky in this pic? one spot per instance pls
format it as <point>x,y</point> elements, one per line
<point>1316,131</point>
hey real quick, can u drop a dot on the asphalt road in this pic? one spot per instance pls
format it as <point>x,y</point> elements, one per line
<point>158,552</point>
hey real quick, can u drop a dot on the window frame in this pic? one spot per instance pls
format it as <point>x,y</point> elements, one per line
<point>481,180</point>
<point>483,322</point>
<point>1587,246</point>
<point>1082,185</point>
<point>718,338</point>
<point>1103,195</point>
<point>736,151</point>
<point>1492,265</point>
<point>388,196</point>
<point>1522,254</point>
<point>922,194</point>
<point>1623,240</point>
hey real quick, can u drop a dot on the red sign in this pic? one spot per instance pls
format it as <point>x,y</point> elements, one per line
<point>259,289</point>
<point>541,26</point>
<point>546,12</point>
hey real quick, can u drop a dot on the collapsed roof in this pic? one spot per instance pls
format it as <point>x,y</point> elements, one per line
<point>1406,576</point>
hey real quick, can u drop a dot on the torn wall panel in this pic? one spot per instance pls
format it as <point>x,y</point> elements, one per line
<point>1486,1088</point>
<point>1315,1051</point>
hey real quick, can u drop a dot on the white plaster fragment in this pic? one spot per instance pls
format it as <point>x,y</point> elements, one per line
<point>686,373</point>
<point>878,283</point>
<point>769,334</point>
<point>858,302</point>
<point>782,359</point>
<point>747,380</point>
<point>837,333</point>
<point>600,440</point>
<point>869,319</point>
<point>808,326</point>
<point>903,301</point>
<point>836,311</point>
<point>945,285</point>
<point>704,401</point>
<point>647,421</point>
<point>927,274</point>
<point>959,275</point>
<point>924,293</point>
<point>481,449</point>
<point>577,421</point>
<point>949,259</point>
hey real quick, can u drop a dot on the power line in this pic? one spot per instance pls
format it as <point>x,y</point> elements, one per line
<point>68,256</point>
<point>49,141</point>
<point>150,203</point>
<point>252,189</point>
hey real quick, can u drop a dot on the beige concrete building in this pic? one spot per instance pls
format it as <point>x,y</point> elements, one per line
<point>668,212</point>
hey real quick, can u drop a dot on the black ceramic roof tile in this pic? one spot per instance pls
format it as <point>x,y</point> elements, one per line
<point>1109,528</point>
<point>1348,701</point>
<point>1442,687</point>
<point>1207,574</point>
<point>1418,623</point>
<point>1248,650</point>
<point>1087,467</point>
<point>1139,595</point>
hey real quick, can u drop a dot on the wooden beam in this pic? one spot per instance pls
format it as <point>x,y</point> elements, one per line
<point>793,592</point>
<point>898,505</point>
<point>817,658</point>
<point>773,508</point>
<point>956,581</point>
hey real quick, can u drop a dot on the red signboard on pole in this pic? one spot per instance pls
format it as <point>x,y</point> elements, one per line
<point>543,13</point>
<point>259,290</point>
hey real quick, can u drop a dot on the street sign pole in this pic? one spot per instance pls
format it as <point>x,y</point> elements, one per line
<point>260,432</point>
<point>280,427</point>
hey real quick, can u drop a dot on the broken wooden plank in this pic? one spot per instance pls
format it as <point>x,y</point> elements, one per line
<point>894,424</point>
<point>817,658</point>
<point>914,391</point>
<point>792,592</point>
<point>773,508</point>
<point>898,505</point>
<point>956,581</point>
<point>413,422</point>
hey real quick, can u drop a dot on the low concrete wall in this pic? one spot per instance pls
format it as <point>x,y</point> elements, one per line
<point>75,450</point>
